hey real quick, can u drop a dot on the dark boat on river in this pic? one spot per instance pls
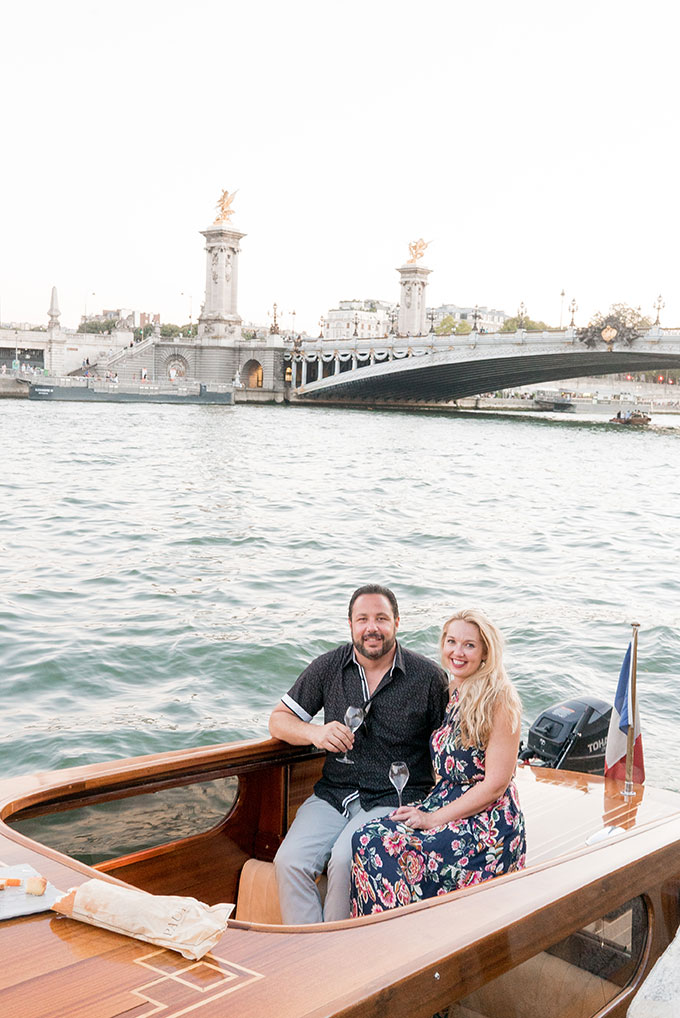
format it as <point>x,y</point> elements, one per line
<point>91,390</point>
<point>631,418</point>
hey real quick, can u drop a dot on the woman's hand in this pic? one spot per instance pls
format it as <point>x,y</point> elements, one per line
<point>416,818</point>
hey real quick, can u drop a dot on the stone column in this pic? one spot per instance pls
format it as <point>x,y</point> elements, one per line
<point>219,321</point>
<point>412,303</point>
<point>54,359</point>
<point>336,366</point>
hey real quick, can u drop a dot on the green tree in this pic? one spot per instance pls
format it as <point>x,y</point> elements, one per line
<point>450,327</point>
<point>446,327</point>
<point>513,324</point>
<point>99,327</point>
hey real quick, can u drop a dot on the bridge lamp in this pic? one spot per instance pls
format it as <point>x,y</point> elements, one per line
<point>392,317</point>
<point>521,312</point>
<point>476,315</point>
<point>573,307</point>
<point>659,305</point>
<point>356,323</point>
<point>430,315</point>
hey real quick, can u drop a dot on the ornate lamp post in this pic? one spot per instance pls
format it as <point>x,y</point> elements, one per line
<point>274,327</point>
<point>573,307</point>
<point>392,317</point>
<point>322,322</point>
<point>562,296</point>
<point>659,306</point>
<point>356,323</point>
<point>431,316</point>
<point>521,312</point>
<point>476,315</point>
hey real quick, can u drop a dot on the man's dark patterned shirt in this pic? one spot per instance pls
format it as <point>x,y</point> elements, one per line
<point>407,706</point>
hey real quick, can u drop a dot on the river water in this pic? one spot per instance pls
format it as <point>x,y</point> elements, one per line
<point>166,572</point>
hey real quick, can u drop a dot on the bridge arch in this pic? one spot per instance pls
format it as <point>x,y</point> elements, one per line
<point>176,366</point>
<point>253,374</point>
<point>430,368</point>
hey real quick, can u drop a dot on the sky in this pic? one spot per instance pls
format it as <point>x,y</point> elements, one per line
<point>534,145</point>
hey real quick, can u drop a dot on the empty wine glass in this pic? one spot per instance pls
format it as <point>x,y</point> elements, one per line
<point>353,719</point>
<point>399,776</point>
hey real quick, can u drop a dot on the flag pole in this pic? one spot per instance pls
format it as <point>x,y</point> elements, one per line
<point>632,714</point>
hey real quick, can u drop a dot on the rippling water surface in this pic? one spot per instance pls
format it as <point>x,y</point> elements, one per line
<point>166,572</point>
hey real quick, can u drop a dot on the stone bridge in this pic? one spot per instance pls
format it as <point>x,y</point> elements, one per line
<point>441,368</point>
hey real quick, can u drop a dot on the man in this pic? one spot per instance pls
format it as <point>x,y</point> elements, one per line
<point>404,697</point>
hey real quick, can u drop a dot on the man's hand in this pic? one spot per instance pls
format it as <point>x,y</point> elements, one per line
<point>333,737</point>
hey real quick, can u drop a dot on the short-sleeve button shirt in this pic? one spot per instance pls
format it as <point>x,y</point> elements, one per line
<point>408,704</point>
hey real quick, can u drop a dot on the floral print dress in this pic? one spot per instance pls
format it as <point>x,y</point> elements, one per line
<point>393,865</point>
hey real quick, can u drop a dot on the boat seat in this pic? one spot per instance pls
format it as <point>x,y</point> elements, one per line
<point>258,897</point>
<point>541,987</point>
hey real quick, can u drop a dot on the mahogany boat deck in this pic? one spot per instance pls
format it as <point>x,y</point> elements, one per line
<point>411,962</point>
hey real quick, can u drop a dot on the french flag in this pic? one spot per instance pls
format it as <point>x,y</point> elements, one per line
<point>617,737</point>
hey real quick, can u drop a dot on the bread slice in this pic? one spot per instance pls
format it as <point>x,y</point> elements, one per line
<point>36,885</point>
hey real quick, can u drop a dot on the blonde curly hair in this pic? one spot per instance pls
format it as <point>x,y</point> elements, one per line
<point>489,691</point>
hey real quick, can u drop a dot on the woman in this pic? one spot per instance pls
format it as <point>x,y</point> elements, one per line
<point>470,827</point>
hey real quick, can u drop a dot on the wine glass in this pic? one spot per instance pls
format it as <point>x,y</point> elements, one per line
<point>399,776</point>
<point>353,719</point>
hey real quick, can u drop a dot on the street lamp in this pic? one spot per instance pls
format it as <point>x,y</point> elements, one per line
<point>293,314</point>
<point>573,307</point>
<point>476,315</point>
<point>431,316</point>
<point>659,305</point>
<point>356,323</point>
<point>562,296</point>
<point>521,312</point>
<point>322,322</point>
<point>392,317</point>
<point>274,327</point>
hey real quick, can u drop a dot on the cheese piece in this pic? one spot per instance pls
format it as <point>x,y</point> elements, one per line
<point>36,885</point>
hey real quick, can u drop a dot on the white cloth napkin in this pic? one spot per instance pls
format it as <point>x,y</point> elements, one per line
<point>180,924</point>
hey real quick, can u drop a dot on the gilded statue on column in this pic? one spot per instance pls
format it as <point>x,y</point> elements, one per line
<point>417,249</point>
<point>224,209</point>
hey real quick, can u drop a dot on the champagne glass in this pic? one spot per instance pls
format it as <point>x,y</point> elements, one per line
<point>353,719</point>
<point>399,776</point>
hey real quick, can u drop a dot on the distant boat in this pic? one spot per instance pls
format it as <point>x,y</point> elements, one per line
<point>546,403</point>
<point>632,418</point>
<point>552,399</point>
<point>90,390</point>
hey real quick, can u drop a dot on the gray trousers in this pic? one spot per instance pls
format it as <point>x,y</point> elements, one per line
<point>319,835</point>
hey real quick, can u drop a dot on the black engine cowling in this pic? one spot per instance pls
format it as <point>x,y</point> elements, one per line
<point>572,736</point>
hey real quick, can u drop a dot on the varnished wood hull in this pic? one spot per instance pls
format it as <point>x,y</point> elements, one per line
<point>410,962</point>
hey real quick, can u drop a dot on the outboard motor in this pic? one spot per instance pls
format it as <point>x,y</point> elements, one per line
<point>572,736</point>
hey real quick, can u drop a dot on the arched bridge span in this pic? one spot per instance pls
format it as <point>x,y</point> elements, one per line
<point>451,367</point>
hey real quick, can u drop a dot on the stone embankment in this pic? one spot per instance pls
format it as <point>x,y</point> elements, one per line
<point>13,388</point>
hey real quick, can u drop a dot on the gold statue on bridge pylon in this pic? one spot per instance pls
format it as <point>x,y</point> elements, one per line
<point>416,249</point>
<point>224,209</point>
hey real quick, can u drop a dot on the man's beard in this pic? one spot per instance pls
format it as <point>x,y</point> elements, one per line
<point>388,643</point>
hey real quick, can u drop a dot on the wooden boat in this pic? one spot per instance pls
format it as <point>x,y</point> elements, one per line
<point>572,935</point>
<point>636,419</point>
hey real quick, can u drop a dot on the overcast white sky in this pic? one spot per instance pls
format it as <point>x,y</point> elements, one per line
<point>534,143</point>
